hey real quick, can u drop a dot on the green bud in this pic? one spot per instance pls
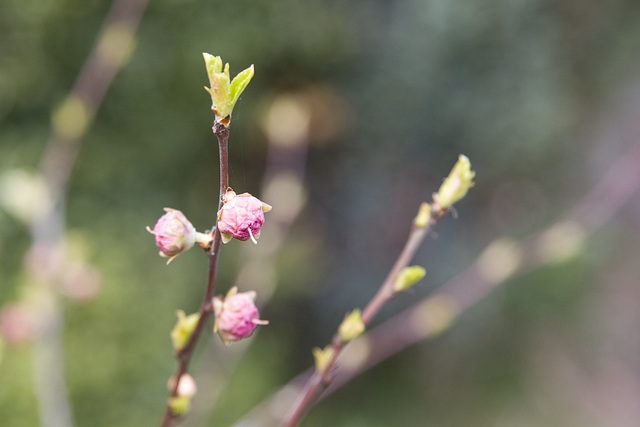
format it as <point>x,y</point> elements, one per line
<point>322,357</point>
<point>408,277</point>
<point>181,402</point>
<point>183,329</point>
<point>224,92</point>
<point>424,215</point>
<point>179,405</point>
<point>72,118</point>
<point>456,185</point>
<point>351,326</point>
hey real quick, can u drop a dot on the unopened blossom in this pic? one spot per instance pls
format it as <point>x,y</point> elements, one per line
<point>175,234</point>
<point>17,323</point>
<point>186,387</point>
<point>181,402</point>
<point>236,316</point>
<point>241,217</point>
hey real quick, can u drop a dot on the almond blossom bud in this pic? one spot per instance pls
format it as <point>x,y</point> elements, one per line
<point>241,216</point>
<point>175,234</point>
<point>17,323</point>
<point>236,315</point>
<point>187,388</point>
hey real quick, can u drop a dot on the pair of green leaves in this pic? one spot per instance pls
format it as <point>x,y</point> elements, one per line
<point>224,91</point>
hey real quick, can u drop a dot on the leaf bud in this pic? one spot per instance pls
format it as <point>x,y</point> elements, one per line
<point>224,91</point>
<point>456,185</point>
<point>407,277</point>
<point>182,330</point>
<point>322,357</point>
<point>351,326</point>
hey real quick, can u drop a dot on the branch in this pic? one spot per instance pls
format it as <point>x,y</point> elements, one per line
<point>438,312</point>
<point>70,124</point>
<point>500,261</point>
<point>454,187</point>
<point>282,185</point>
<point>184,355</point>
<point>323,378</point>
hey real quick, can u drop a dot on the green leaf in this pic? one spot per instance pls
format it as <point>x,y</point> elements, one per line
<point>238,85</point>
<point>408,277</point>
<point>224,92</point>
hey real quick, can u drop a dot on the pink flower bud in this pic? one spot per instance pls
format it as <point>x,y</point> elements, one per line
<point>174,234</point>
<point>186,387</point>
<point>241,217</point>
<point>181,402</point>
<point>236,315</point>
<point>17,323</point>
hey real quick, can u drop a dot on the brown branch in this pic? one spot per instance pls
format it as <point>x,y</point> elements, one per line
<point>282,186</point>
<point>184,355</point>
<point>108,55</point>
<point>321,380</point>
<point>436,313</point>
<point>617,187</point>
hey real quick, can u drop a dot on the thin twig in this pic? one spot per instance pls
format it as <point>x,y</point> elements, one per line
<point>616,188</point>
<point>282,186</point>
<point>184,355</point>
<point>434,314</point>
<point>319,381</point>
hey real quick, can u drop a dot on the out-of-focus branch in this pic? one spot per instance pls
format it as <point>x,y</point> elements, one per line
<point>322,379</point>
<point>501,260</point>
<point>453,188</point>
<point>70,122</point>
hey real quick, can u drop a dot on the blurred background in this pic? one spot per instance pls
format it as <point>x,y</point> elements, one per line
<point>356,112</point>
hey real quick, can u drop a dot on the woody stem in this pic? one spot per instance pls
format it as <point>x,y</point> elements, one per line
<point>184,354</point>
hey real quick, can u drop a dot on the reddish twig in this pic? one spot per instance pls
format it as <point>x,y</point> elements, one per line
<point>184,355</point>
<point>319,381</point>
<point>435,313</point>
<point>616,187</point>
